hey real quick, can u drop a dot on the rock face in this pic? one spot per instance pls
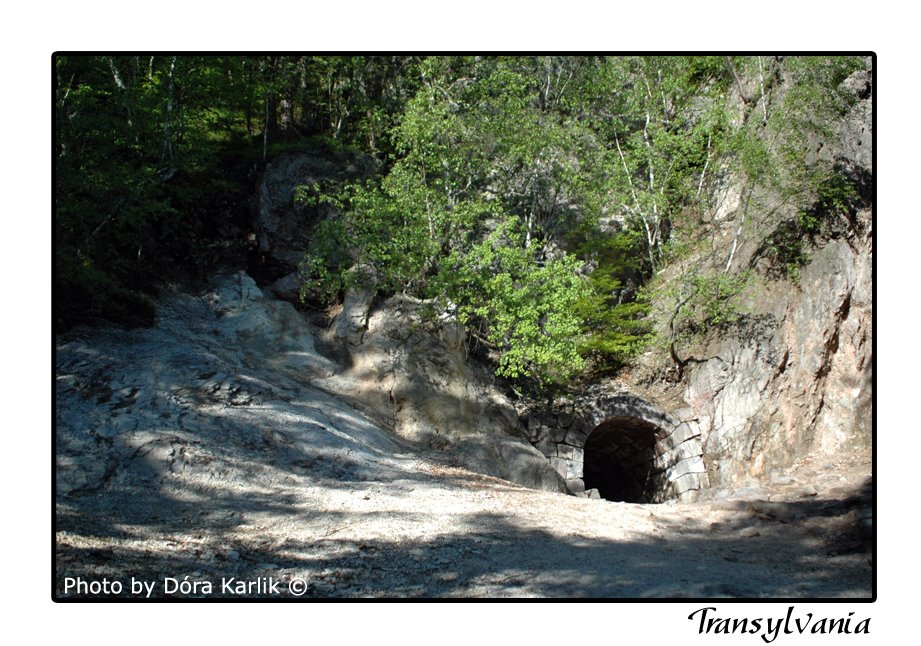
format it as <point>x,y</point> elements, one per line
<point>223,377</point>
<point>283,223</point>
<point>237,371</point>
<point>801,382</point>
<point>797,378</point>
<point>416,378</point>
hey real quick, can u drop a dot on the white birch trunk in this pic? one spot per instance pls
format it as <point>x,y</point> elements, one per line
<point>764,118</point>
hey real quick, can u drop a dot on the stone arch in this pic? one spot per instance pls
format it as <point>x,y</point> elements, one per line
<point>635,452</point>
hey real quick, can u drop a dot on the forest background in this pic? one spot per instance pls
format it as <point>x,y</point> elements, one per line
<point>538,200</point>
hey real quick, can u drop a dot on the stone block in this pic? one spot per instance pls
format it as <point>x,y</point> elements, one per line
<point>621,409</point>
<point>576,437</point>
<point>684,432</point>
<point>691,465</point>
<point>539,434</point>
<point>561,466</point>
<point>558,435</point>
<point>564,451</point>
<point>565,420</point>
<point>690,495</point>
<point>685,483</point>
<point>546,447</point>
<point>575,486</point>
<point>574,469</point>
<point>678,453</point>
<point>671,420</point>
<point>687,450</point>
<point>685,414</point>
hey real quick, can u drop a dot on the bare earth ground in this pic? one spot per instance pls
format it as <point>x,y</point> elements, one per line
<point>426,530</point>
<point>205,451</point>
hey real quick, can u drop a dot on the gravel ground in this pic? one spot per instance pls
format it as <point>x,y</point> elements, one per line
<point>422,529</point>
<point>200,458</point>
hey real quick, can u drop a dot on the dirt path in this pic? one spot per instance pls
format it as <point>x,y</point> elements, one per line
<point>435,531</point>
<point>202,451</point>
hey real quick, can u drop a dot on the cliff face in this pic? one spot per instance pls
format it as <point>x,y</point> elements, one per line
<point>795,376</point>
<point>800,381</point>
<point>415,377</point>
<point>791,378</point>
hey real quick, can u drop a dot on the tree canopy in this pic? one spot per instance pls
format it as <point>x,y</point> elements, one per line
<point>536,199</point>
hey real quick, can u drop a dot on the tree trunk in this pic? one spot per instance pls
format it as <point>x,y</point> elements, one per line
<point>735,75</point>
<point>650,241</point>
<point>286,115</point>
<point>167,154</point>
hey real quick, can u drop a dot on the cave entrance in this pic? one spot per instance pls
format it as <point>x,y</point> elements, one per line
<point>620,456</point>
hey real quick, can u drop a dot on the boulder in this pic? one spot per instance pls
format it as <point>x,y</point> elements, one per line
<point>288,287</point>
<point>414,374</point>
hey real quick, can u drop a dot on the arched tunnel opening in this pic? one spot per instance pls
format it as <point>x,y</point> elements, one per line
<point>619,461</point>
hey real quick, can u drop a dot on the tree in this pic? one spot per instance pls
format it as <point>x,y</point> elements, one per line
<point>466,214</point>
<point>661,120</point>
<point>536,198</point>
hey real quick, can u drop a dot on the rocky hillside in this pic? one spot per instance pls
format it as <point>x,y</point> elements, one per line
<point>528,382</point>
<point>221,449</point>
<point>793,377</point>
<point>233,365</point>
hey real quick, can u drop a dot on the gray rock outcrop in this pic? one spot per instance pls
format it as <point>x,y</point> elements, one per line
<point>796,379</point>
<point>800,383</point>
<point>416,377</point>
<point>238,371</point>
<point>224,377</point>
<point>283,223</point>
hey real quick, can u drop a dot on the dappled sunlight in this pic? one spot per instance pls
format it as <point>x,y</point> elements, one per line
<point>437,537</point>
<point>182,460</point>
<point>466,326</point>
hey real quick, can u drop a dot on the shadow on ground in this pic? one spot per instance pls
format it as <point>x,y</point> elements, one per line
<point>810,549</point>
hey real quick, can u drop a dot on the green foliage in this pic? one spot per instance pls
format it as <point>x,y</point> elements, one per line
<point>93,295</point>
<point>715,303</point>
<point>524,307</point>
<point>787,247</point>
<point>375,234</point>
<point>316,144</point>
<point>814,101</point>
<point>535,198</point>
<point>659,122</point>
<point>779,154</point>
<point>707,301</point>
<point>836,194</point>
<point>815,98</point>
<point>465,211</point>
<point>616,322</point>
<point>156,157</point>
<point>501,163</point>
<point>621,331</point>
<point>140,174</point>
